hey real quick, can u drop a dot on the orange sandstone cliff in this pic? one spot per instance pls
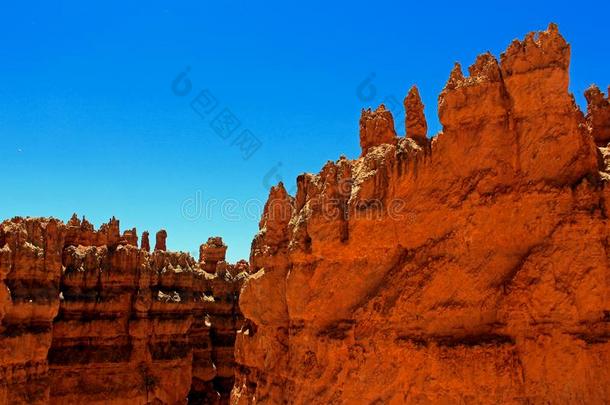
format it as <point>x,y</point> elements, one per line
<point>469,268</point>
<point>88,317</point>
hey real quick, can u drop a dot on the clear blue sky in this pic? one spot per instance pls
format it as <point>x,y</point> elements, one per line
<point>89,122</point>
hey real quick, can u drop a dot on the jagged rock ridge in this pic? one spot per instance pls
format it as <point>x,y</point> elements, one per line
<point>469,268</point>
<point>88,317</point>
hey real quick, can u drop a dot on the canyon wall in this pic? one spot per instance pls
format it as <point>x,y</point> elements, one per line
<point>88,317</point>
<point>471,267</point>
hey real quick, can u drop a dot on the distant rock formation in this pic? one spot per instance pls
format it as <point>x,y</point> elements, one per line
<point>145,242</point>
<point>87,317</point>
<point>211,253</point>
<point>161,237</point>
<point>469,268</point>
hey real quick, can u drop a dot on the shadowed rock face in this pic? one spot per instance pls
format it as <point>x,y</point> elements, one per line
<point>598,115</point>
<point>471,270</point>
<point>160,240</point>
<point>87,317</point>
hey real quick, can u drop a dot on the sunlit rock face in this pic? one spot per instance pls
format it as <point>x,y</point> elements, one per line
<point>88,317</point>
<point>472,268</point>
<point>467,267</point>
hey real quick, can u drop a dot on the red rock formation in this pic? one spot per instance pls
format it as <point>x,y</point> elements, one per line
<point>160,240</point>
<point>212,253</point>
<point>30,269</point>
<point>376,128</point>
<point>469,268</point>
<point>87,317</point>
<point>130,237</point>
<point>416,126</point>
<point>216,324</point>
<point>475,272</point>
<point>598,115</point>
<point>145,242</point>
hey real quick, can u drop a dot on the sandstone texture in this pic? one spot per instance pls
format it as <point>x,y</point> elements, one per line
<point>376,128</point>
<point>472,268</point>
<point>598,115</point>
<point>416,126</point>
<point>87,317</point>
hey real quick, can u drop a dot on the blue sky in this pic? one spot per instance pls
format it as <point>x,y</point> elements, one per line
<point>90,123</point>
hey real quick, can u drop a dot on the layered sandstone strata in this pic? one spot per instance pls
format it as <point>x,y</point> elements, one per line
<point>88,317</point>
<point>473,269</point>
